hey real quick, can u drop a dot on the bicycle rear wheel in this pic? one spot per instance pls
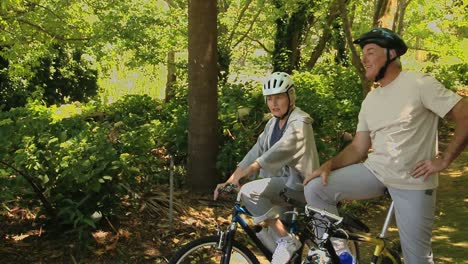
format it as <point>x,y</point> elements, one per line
<point>204,250</point>
<point>354,250</point>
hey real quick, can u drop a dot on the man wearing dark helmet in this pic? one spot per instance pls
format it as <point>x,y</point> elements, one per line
<point>395,146</point>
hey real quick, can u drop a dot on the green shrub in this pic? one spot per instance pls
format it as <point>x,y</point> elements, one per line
<point>453,77</point>
<point>86,157</point>
<point>241,116</point>
<point>85,162</point>
<point>332,96</point>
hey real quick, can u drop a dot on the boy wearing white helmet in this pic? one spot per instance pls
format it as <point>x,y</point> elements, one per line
<point>282,155</point>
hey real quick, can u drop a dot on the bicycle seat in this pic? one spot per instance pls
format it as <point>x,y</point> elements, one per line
<point>290,200</point>
<point>353,222</point>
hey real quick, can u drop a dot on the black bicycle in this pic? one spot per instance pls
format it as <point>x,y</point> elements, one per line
<point>304,222</point>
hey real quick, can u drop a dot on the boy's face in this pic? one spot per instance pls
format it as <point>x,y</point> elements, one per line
<point>278,103</point>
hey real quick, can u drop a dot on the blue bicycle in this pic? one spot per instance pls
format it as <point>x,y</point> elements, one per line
<point>225,248</point>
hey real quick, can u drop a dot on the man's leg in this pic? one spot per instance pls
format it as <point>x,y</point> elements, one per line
<point>354,182</point>
<point>414,212</point>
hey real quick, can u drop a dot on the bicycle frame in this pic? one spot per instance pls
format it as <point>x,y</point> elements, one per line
<point>379,242</point>
<point>226,238</point>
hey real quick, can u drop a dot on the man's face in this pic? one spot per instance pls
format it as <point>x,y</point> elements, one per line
<point>373,58</point>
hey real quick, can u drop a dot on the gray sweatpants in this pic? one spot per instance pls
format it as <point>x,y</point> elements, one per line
<point>414,209</point>
<point>262,198</point>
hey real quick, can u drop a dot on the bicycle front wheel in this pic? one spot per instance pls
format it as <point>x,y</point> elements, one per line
<point>205,250</point>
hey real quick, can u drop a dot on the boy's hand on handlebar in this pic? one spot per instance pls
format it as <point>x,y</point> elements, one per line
<point>226,187</point>
<point>323,172</point>
<point>236,176</point>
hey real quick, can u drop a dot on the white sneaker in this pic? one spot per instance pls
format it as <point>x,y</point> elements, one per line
<point>266,237</point>
<point>317,256</point>
<point>284,251</point>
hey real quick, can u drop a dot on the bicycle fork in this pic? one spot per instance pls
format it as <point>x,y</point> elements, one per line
<point>225,242</point>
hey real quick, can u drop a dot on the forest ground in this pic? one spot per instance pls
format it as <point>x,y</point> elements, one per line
<point>141,236</point>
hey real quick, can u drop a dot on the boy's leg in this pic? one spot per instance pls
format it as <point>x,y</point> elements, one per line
<point>261,197</point>
<point>414,212</point>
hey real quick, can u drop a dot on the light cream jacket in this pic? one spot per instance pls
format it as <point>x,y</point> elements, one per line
<point>294,155</point>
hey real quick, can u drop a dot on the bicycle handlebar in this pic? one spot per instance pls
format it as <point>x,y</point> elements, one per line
<point>336,219</point>
<point>228,188</point>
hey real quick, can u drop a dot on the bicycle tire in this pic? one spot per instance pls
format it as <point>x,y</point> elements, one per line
<point>354,250</point>
<point>204,250</point>
<point>394,259</point>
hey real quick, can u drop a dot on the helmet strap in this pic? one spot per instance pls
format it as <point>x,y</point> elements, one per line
<point>382,70</point>
<point>286,114</point>
<point>289,106</point>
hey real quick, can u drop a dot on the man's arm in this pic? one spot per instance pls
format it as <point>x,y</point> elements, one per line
<point>459,114</point>
<point>353,153</point>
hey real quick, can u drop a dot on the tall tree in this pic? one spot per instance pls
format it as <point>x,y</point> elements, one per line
<point>236,21</point>
<point>202,95</point>
<point>384,13</point>
<point>289,34</point>
<point>355,60</point>
<point>325,36</point>
<point>400,15</point>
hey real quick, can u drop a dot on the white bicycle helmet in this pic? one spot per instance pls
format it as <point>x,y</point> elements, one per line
<point>277,82</point>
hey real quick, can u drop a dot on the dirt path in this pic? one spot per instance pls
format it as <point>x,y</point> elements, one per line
<point>450,235</point>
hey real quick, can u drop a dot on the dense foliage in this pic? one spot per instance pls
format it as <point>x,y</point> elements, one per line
<point>71,144</point>
<point>81,158</point>
<point>85,157</point>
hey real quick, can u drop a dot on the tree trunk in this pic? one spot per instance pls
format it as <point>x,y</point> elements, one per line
<point>289,36</point>
<point>385,12</point>
<point>171,76</point>
<point>355,60</point>
<point>339,41</point>
<point>325,38</point>
<point>202,95</point>
<point>402,5</point>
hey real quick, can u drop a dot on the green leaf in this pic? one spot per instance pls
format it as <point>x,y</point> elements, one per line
<point>89,222</point>
<point>95,186</point>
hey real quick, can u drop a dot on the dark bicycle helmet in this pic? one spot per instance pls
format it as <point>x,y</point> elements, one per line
<point>385,38</point>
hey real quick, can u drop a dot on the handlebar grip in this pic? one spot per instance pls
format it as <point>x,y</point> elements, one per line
<point>228,188</point>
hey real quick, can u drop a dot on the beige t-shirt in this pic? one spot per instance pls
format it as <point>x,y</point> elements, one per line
<point>402,119</point>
